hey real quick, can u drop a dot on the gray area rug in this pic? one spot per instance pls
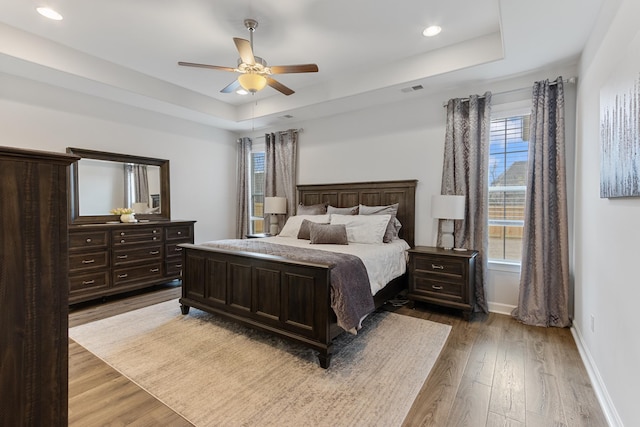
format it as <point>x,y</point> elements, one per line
<point>215,373</point>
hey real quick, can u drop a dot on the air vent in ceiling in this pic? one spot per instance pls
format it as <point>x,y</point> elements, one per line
<point>412,88</point>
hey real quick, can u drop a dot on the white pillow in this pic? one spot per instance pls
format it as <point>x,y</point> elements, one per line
<point>292,226</point>
<point>363,228</point>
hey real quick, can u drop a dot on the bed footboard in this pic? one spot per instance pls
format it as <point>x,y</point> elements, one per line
<point>286,298</point>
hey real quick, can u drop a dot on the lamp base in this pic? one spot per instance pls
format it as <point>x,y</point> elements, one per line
<point>273,228</point>
<point>447,239</point>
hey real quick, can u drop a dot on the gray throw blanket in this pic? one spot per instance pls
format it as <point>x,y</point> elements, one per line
<point>351,297</point>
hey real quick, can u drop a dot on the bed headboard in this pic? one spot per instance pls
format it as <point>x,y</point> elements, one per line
<point>377,193</point>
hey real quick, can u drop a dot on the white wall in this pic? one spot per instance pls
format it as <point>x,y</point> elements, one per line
<point>607,231</point>
<point>202,159</point>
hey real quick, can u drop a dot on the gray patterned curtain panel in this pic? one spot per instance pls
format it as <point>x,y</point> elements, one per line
<point>465,169</point>
<point>544,280</point>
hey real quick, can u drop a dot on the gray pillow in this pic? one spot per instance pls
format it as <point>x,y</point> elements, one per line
<point>393,227</point>
<point>328,234</point>
<point>319,209</point>
<point>305,230</point>
<point>342,211</point>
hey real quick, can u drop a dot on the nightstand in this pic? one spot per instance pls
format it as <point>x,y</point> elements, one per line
<point>258,235</point>
<point>443,277</point>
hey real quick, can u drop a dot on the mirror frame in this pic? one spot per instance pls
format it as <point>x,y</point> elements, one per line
<point>74,199</point>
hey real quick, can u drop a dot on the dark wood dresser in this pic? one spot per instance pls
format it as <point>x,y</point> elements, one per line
<point>443,277</point>
<point>107,259</point>
<point>33,293</point>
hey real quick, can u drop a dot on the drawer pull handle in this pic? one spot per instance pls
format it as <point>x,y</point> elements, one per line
<point>437,266</point>
<point>122,276</point>
<point>155,238</point>
<point>88,261</point>
<point>179,233</point>
<point>89,240</point>
<point>122,233</point>
<point>122,241</point>
<point>178,265</point>
<point>154,252</point>
<point>178,249</point>
<point>123,256</point>
<point>154,270</point>
<point>437,288</point>
<point>155,231</point>
<point>88,282</point>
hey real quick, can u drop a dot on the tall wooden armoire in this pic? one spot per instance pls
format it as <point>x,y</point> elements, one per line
<point>33,288</point>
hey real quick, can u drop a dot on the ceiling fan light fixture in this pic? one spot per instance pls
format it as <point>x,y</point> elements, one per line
<point>252,82</point>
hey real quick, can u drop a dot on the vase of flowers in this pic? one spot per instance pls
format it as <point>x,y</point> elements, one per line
<point>126,214</point>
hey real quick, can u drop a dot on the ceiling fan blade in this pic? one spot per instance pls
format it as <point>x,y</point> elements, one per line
<point>279,86</point>
<point>231,87</point>
<point>300,68</point>
<point>245,51</point>
<point>214,67</point>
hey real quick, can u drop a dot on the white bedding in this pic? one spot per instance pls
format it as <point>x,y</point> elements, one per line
<point>384,262</point>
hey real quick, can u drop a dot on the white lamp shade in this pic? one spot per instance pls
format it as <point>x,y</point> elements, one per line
<point>275,205</point>
<point>447,206</point>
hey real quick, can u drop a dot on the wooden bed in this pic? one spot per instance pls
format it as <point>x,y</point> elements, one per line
<point>290,299</point>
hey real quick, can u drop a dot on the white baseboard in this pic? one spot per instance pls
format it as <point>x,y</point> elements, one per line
<point>609,409</point>
<point>496,307</point>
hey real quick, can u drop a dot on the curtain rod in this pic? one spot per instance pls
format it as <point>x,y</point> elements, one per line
<point>571,80</point>
<point>282,131</point>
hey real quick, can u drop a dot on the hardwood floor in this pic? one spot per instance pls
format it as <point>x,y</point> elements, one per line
<point>493,371</point>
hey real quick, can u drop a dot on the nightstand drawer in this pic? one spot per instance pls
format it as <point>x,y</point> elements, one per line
<point>439,265</point>
<point>438,289</point>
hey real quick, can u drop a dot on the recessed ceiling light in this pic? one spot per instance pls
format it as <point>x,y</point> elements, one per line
<point>49,13</point>
<point>431,31</point>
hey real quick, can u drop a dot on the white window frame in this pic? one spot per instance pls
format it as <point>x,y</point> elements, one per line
<point>502,111</point>
<point>255,148</point>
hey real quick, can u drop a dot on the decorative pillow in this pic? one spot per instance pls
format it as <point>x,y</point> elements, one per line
<point>292,226</point>
<point>305,229</point>
<point>393,227</point>
<point>319,209</point>
<point>323,234</point>
<point>363,228</point>
<point>342,211</point>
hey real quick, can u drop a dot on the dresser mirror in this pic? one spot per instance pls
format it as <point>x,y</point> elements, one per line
<point>102,181</point>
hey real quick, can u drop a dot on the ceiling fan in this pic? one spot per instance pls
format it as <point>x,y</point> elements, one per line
<point>255,74</point>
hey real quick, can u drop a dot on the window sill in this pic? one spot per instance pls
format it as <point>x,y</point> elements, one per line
<point>506,266</point>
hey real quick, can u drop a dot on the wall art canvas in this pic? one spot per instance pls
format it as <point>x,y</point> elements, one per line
<point>620,128</point>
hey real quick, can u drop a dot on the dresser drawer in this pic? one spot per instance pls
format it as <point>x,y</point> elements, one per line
<point>179,232</point>
<point>139,273</point>
<point>438,265</point>
<point>82,261</point>
<point>425,285</point>
<point>88,282</point>
<point>173,250</point>
<point>136,235</point>
<point>88,240</point>
<point>128,256</point>
<point>174,268</point>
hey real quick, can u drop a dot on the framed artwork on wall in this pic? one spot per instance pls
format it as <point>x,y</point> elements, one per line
<point>620,128</point>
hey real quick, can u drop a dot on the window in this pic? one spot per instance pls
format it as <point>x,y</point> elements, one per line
<point>256,185</point>
<point>508,160</point>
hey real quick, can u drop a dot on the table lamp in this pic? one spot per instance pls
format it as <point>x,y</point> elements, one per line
<point>447,208</point>
<point>274,206</point>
